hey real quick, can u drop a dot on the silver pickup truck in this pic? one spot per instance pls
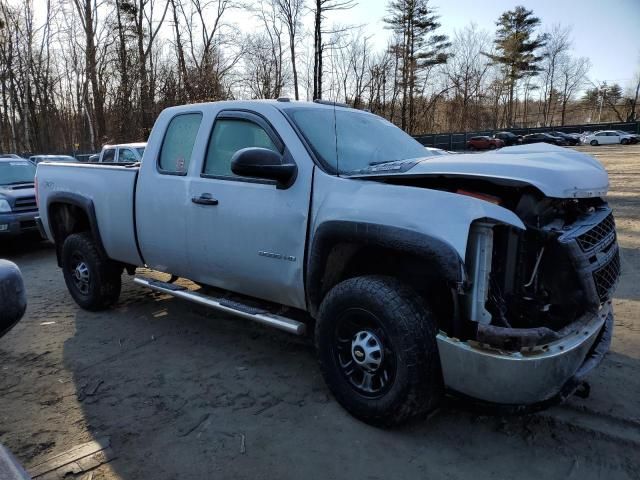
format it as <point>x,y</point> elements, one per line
<point>487,276</point>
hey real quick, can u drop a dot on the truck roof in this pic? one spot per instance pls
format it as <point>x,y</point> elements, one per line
<point>134,145</point>
<point>280,104</point>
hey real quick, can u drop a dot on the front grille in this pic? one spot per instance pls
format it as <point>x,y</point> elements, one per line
<point>25,204</point>
<point>606,278</point>
<point>594,253</point>
<point>592,238</point>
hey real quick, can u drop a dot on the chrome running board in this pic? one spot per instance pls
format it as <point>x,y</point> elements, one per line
<point>232,307</point>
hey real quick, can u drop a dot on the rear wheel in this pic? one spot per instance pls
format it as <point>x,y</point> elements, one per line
<point>471,148</point>
<point>376,345</point>
<point>594,143</point>
<point>492,146</point>
<point>93,282</point>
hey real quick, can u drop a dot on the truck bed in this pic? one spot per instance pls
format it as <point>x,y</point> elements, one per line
<point>111,188</point>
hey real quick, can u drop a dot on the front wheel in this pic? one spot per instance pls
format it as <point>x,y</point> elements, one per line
<point>624,141</point>
<point>93,282</point>
<point>594,143</point>
<point>376,345</point>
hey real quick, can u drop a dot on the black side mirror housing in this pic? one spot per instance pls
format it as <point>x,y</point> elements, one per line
<point>13,299</point>
<point>263,163</point>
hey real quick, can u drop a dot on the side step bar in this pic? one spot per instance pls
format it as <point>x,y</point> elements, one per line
<point>234,308</point>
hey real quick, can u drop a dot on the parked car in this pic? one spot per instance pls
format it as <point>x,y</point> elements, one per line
<point>36,159</point>
<point>347,227</point>
<point>509,138</point>
<point>570,139</point>
<point>18,208</point>
<point>11,155</point>
<point>543,138</point>
<point>122,153</point>
<point>94,158</point>
<point>484,142</point>
<point>608,137</point>
<point>635,138</point>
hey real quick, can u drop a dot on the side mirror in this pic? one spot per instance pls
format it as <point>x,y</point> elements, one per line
<point>263,163</point>
<point>13,300</point>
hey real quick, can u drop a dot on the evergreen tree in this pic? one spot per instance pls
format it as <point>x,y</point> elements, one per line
<point>517,49</point>
<point>418,47</point>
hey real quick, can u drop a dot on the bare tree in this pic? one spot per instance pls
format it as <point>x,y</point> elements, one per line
<point>573,74</point>
<point>633,99</point>
<point>558,43</point>
<point>320,10</point>
<point>147,27</point>
<point>290,11</point>
<point>88,16</point>
<point>467,71</point>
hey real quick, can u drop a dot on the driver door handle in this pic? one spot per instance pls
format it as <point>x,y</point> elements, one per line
<point>204,199</point>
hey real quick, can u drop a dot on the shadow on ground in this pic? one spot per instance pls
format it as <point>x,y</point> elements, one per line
<point>184,393</point>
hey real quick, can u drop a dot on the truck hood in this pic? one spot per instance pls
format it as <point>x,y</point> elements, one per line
<point>556,171</point>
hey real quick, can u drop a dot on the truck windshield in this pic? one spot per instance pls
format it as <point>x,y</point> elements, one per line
<point>363,139</point>
<point>16,171</point>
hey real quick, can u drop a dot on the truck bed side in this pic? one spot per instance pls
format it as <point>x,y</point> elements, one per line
<point>109,188</point>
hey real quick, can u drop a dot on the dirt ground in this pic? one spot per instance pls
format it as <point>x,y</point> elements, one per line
<point>185,393</point>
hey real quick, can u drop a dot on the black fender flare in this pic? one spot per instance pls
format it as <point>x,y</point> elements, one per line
<point>330,233</point>
<point>83,203</point>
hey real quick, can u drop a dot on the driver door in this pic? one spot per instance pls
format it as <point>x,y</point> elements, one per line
<point>247,235</point>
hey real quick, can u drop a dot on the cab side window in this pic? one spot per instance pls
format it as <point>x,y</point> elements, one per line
<point>175,153</point>
<point>229,136</point>
<point>126,156</point>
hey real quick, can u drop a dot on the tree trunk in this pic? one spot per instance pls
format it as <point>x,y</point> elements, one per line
<point>317,52</point>
<point>92,72</point>
<point>293,64</point>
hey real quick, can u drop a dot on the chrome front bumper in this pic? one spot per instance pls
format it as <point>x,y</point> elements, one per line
<point>531,376</point>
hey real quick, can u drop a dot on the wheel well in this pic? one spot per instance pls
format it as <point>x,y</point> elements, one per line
<point>66,219</point>
<point>424,275</point>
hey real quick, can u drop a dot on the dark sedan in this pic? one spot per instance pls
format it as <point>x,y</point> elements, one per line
<point>570,139</point>
<point>509,138</point>
<point>544,138</point>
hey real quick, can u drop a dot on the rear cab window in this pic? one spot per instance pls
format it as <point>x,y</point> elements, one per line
<point>109,155</point>
<point>178,142</point>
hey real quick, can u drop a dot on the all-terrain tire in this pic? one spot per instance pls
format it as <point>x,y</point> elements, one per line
<point>93,281</point>
<point>409,329</point>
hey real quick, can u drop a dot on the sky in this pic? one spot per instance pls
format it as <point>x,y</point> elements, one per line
<point>606,31</point>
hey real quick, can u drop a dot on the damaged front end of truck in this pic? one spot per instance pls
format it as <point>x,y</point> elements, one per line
<point>534,315</point>
<point>538,305</point>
